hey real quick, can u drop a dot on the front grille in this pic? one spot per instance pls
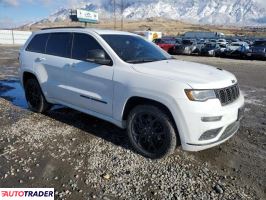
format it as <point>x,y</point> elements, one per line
<point>227,95</point>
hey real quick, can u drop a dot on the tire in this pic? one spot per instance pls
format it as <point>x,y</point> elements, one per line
<point>171,51</point>
<point>35,98</point>
<point>144,124</point>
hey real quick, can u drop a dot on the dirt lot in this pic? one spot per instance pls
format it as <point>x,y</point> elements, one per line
<point>86,158</point>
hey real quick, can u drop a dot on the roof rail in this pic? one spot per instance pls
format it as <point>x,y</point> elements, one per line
<point>62,27</point>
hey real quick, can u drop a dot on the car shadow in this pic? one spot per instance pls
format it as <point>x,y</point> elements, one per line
<point>90,125</point>
<point>12,91</point>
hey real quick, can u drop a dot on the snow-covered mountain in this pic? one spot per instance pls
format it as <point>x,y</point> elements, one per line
<point>225,12</point>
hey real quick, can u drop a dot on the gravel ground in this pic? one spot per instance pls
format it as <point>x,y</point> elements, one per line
<point>86,158</point>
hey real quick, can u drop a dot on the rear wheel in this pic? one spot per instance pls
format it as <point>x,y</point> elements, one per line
<point>151,132</point>
<point>34,96</point>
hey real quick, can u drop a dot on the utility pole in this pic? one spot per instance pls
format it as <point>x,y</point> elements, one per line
<point>122,16</point>
<point>114,6</point>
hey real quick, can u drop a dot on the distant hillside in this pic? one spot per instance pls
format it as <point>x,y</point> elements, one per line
<point>215,12</point>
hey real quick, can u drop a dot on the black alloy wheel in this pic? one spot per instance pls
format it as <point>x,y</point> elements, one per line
<point>34,96</point>
<point>151,132</point>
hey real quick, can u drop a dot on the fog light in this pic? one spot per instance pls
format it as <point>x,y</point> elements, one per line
<point>210,134</point>
<point>211,119</point>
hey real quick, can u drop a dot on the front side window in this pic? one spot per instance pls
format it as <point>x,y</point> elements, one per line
<point>82,44</point>
<point>59,44</point>
<point>38,43</point>
<point>134,49</point>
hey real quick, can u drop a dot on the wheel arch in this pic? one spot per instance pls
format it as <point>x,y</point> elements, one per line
<point>134,101</point>
<point>27,75</point>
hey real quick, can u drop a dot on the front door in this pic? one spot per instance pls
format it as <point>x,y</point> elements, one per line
<point>91,84</point>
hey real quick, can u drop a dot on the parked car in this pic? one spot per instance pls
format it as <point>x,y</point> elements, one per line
<point>124,79</point>
<point>166,44</point>
<point>237,49</point>
<point>210,49</point>
<point>222,49</point>
<point>258,50</point>
<point>186,47</point>
<point>200,44</point>
<point>213,40</point>
<point>222,42</point>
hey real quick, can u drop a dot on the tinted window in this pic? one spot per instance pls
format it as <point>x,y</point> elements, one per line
<point>59,44</point>
<point>38,43</point>
<point>187,42</point>
<point>170,41</point>
<point>260,43</point>
<point>134,49</point>
<point>82,44</point>
<point>157,41</point>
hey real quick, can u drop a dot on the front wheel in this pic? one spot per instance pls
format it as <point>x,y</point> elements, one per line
<point>35,98</point>
<point>151,132</point>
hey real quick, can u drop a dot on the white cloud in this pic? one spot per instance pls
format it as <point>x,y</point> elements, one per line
<point>9,2</point>
<point>262,2</point>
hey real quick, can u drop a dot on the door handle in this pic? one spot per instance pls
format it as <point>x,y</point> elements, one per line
<point>40,59</point>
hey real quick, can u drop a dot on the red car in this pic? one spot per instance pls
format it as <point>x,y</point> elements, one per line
<point>167,44</point>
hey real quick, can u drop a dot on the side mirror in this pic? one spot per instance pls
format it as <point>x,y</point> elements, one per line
<point>99,56</point>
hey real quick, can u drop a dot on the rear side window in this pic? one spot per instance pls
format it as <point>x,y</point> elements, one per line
<point>59,44</point>
<point>82,44</point>
<point>38,43</point>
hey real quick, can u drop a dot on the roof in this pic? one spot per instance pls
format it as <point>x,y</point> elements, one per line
<point>82,29</point>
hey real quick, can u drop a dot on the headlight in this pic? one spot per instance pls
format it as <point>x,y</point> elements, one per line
<point>200,95</point>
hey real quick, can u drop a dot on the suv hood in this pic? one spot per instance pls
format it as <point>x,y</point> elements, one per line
<point>197,76</point>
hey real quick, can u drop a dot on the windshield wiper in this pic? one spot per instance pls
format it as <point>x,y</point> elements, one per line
<point>147,60</point>
<point>141,60</point>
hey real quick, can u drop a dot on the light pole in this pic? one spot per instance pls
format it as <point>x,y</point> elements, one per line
<point>122,16</point>
<point>114,6</point>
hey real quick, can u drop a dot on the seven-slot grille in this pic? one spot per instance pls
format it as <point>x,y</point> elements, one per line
<point>227,95</point>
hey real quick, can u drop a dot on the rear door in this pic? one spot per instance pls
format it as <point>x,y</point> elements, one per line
<point>91,84</point>
<point>53,65</point>
<point>29,59</point>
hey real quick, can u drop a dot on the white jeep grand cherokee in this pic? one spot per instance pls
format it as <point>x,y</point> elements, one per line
<point>124,79</point>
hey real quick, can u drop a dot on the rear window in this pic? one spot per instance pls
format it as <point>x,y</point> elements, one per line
<point>38,43</point>
<point>59,44</point>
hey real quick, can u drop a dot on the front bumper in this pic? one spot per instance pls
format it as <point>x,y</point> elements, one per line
<point>259,55</point>
<point>229,132</point>
<point>192,126</point>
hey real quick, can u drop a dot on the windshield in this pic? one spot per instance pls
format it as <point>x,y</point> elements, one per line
<point>211,45</point>
<point>134,49</point>
<point>187,42</point>
<point>260,43</point>
<point>170,41</point>
<point>236,45</point>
